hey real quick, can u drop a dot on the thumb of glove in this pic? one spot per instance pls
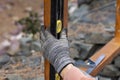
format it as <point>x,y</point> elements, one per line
<point>48,35</point>
<point>45,34</point>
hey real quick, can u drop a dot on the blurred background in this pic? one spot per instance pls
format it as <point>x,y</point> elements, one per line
<point>91,25</point>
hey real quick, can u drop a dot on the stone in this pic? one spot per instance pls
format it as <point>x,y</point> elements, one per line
<point>87,19</point>
<point>29,78</point>
<point>36,45</point>
<point>108,21</point>
<point>39,78</point>
<point>119,78</point>
<point>75,44</point>
<point>104,78</point>
<point>115,78</point>
<point>79,63</point>
<point>24,60</point>
<point>72,28</point>
<point>24,52</point>
<point>98,38</point>
<point>15,59</point>
<point>95,48</point>
<point>3,51</point>
<point>4,59</point>
<point>15,18</point>
<point>25,47</point>
<point>118,54</point>
<point>110,71</point>
<point>14,77</point>
<point>35,61</point>
<point>110,29</point>
<point>25,40</point>
<point>80,36</point>
<point>32,61</point>
<point>80,2</point>
<point>78,13</point>
<point>117,61</point>
<point>14,47</point>
<point>83,49</point>
<point>28,9</point>
<point>70,38</point>
<point>72,7</point>
<point>9,7</point>
<point>107,37</point>
<point>74,53</point>
<point>4,44</point>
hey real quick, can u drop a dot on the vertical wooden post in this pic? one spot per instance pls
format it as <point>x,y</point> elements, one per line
<point>117,29</point>
<point>47,11</point>
<point>65,16</point>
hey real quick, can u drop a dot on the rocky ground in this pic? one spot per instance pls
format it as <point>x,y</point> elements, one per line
<point>19,61</point>
<point>91,26</point>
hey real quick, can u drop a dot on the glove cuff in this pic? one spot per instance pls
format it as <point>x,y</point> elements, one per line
<point>63,64</point>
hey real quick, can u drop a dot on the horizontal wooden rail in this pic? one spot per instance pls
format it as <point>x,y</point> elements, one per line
<point>110,50</point>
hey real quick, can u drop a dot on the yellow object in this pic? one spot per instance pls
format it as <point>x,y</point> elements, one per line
<point>59,26</point>
<point>57,77</point>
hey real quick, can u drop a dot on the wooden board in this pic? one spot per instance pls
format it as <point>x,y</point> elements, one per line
<point>47,9</point>
<point>110,50</point>
<point>117,29</point>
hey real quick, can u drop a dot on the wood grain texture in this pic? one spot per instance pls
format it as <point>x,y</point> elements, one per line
<point>117,32</point>
<point>47,12</point>
<point>110,51</point>
<point>47,6</point>
<point>65,13</point>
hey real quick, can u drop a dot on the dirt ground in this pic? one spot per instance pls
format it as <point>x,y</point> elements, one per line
<point>10,12</point>
<point>13,10</point>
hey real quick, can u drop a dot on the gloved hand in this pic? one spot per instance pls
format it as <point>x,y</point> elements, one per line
<point>56,51</point>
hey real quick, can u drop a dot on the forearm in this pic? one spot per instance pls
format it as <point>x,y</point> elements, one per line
<point>70,72</point>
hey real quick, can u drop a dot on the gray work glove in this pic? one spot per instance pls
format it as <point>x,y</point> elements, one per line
<point>56,51</point>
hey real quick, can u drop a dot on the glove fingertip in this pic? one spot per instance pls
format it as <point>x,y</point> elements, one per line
<point>63,34</point>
